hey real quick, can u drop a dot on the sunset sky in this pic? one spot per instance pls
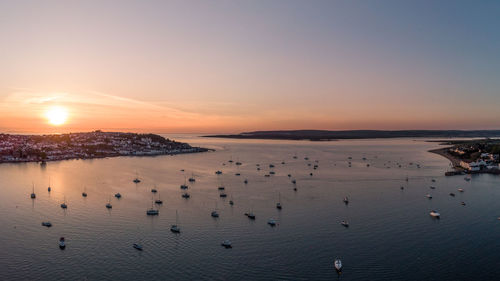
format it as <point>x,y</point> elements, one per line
<point>233,66</point>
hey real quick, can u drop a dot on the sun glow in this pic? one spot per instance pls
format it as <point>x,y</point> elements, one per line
<point>56,115</point>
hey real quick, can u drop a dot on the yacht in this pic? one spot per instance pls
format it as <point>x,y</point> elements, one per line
<point>62,243</point>
<point>345,223</point>
<point>338,265</point>
<point>434,214</point>
<point>175,227</point>
<point>118,195</point>
<point>137,246</point>
<point>226,244</point>
<point>33,195</point>
<point>271,222</point>
<point>46,223</point>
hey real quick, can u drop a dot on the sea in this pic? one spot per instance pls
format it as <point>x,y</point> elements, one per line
<point>390,236</point>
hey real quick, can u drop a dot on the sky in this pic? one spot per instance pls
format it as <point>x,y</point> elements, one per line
<point>235,66</point>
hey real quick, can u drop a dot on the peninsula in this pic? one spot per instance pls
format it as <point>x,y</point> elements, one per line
<point>97,144</point>
<point>324,135</point>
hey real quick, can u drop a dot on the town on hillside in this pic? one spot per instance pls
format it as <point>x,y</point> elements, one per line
<point>97,144</point>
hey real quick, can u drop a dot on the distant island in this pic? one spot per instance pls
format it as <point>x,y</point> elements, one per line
<point>97,144</point>
<point>325,135</point>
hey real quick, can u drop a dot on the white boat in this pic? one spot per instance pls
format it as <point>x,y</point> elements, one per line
<point>271,222</point>
<point>62,243</point>
<point>227,244</point>
<point>434,214</point>
<point>175,227</point>
<point>428,196</point>
<point>461,190</point>
<point>338,265</point>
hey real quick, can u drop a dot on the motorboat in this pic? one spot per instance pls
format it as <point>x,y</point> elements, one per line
<point>62,243</point>
<point>183,186</point>
<point>250,215</point>
<point>432,187</point>
<point>463,203</point>
<point>278,205</point>
<point>434,214</point>
<point>137,246</point>
<point>271,222</point>
<point>428,196</point>
<point>294,181</point>
<point>46,223</point>
<point>118,195</point>
<point>461,190</point>
<point>214,214</point>
<point>338,265</point>
<point>345,223</point>
<point>226,244</point>
<point>452,194</point>
<point>63,205</point>
<point>237,174</point>
<point>154,190</point>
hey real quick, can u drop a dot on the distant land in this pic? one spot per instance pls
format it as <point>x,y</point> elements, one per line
<point>325,135</point>
<point>97,144</point>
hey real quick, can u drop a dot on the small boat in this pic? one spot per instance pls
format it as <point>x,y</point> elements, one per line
<point>432,187</point>
<point>175,227</point>
<point>118,195</point>
<point>452,194</point>
<point>46,223</point>
<point>428,196</point>
<point>271,166</point>
<point>272,172</point>
<point>289,175</point>
<point>109,206</point>
<point>218,172</point>
<point>434,214</point>
<point>294,189</point>
<point>184,186</point>
<point>461,190</point>
<point>84,193</point>
<point>214,214</point>
<point>191,180</point>
<point>467,179</point>
<point>402,187</point>
<point>186,195</point>
<point>221,188</point>
<point>250,215</point>
<point>48,188</point>
<point>311,174</point>
<point>153,190</point>
<point>463,203</point>
<point>294,181</point>
<point>338,265</point>
<point>137,246</point>
<point>33,195</point>
<point>237,174</point>
<point>62,243</point>
<point>345,223</point>
<point>136,180</point>
<point>346,200</point>
<point>231,202</point>
<point>271,222</point>
<point>433,180</point>
<point>223,195</point>
<point>226,244</point>
<point>282,162</point>
<point>245,181</point>
<point>238,163</point>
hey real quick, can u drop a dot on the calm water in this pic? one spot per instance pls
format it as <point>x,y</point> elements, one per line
<point>391,235</point>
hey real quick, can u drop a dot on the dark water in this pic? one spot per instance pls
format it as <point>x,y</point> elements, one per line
<point>391,235</point>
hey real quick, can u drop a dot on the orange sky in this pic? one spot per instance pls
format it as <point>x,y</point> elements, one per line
<point>233,66</point>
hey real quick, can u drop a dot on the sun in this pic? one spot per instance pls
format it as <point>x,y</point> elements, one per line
<point>57,115</point>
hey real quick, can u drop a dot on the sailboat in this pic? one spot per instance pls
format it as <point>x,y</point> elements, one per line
<point>231,202</point>
<point>214,213</point>
<point>278,205</point>
<point>64,205</point>
<point>184,186</point>
<point>136,180</point>
<point>109,206</point>
<point>84,193</point>
<point>338,265</point>
<point>175,227</point>
<point>158,201</point>
<point>192,179</point>
<point>152,211</point>
<point>33,195</point>
<point>48,188</point>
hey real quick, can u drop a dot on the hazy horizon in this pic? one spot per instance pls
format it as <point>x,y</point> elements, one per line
<point>236,66</point>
